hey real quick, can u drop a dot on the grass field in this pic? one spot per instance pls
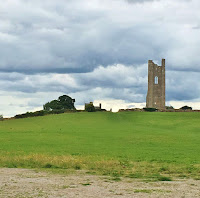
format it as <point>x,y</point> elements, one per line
<point>131,144</point>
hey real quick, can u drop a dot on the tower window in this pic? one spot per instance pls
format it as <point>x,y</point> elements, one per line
<point>156,80</point>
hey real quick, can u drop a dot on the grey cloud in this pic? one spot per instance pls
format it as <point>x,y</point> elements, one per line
<point>182,86</point>
<point>140,1</point>
<point>196,27</point>
<point>116,82</point>
<point>11,77</point>
<point>39,83</point>
<point>80,57</point>
<point>116,76</point>
<point>34,104</point>
<point>73,38</point>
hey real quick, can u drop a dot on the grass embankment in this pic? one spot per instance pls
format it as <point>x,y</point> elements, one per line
<point>132,144</point>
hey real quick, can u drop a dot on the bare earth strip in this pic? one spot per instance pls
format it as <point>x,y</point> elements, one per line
<point>25,183</point>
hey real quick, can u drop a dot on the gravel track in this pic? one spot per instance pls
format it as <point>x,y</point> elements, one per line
<point>24,183</point>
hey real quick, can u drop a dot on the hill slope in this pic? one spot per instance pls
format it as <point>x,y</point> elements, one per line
<point>98,140</point>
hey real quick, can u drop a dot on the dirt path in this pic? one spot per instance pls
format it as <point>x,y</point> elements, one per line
<point>23,183</point>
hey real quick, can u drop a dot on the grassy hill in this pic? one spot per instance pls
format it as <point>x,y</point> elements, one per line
<point>133,144</point>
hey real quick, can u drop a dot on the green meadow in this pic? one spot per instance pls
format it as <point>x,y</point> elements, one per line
<point>128,144</point>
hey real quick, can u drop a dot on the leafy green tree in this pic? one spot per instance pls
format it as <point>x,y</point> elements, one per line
<point>66,102</point>
<point>63,103</point>
<point>47,107</point>
<point>1,117</point>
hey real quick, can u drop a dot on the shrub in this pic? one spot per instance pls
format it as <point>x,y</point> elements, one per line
<point>163,178</point>
<point>169,107</point>
<point>1,117</point>
<point>41,113</point>
<point>31,114</point>
<point>56,111</point>
<point>186,108</point>
<point>150,109</point>
<point>90,107</point>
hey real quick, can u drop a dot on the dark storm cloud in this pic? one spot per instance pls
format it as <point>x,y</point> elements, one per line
<point>77,37</point>
<point>107,48</point>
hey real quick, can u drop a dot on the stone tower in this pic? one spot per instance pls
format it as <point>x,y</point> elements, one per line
<point>156,85</point>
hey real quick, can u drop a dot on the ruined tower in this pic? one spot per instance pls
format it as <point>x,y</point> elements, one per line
<point>156,85</point>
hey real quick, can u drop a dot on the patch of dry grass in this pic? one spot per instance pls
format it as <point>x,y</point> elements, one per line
<point>115,168</point>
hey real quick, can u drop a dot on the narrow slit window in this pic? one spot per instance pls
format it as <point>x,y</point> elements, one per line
<point>156,80</point>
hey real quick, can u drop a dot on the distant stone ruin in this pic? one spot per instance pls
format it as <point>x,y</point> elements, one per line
<point>93,108</point>
<point>156,86</point>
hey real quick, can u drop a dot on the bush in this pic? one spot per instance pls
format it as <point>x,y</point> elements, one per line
<point>150,109</point>
<point>90,107</point>
<point>186,108</point>
<point>1,117</point>
<point>169,107</point>
<point>56,112</point>
<point>31,114</point>
<point>42,113</point>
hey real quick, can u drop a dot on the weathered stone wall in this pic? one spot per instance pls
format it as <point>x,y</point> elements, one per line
<point>156,85</point>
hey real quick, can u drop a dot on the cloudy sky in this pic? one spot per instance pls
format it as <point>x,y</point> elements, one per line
<point>96,50</point>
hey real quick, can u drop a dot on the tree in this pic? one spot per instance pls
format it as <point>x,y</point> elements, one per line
<point>63,103</point>
<point>66,102</point>
<point>1,117</point>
